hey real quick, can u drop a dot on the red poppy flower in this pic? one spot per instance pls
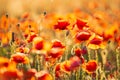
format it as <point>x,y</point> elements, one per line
<point>71,64</point>
<point>12,74</point>
<point>19,58</point>
<point>80,24</point>
<point>56,52</point>
<point>57,44</point>
<point>107,37</point>
<point>96,42</point>
<point>57,70</point>
<point>82,59</point>
<point>84,50</point>
<point>74,62</point>
<point>61,25</point>
<point>43,75</point>
<point>83,35</point>
<point>31,37</point>
<point>38,43</point>
<point>30,73</point>
<point>78,52</point>
<point>91,66</point>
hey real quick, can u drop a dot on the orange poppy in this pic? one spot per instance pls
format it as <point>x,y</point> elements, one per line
<point>20,58</point>
<point>38,43</point>
<point>5,65</point>
<point>65,66</point>
<point>4,62</point>
<point>5,38</point>
<point>43,75</point>
<point>5,34</point>
<point>4,23</point>
<point>12,74</point>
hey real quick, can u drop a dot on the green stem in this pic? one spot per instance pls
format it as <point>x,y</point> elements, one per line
<point>117,62</point>
<point>77,74</point>
<point>96,57</point>
<point>89,57</point>
<point>81,74</point>
<point>66,41</point>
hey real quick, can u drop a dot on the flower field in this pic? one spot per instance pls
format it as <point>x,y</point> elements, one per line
<point>76,43</point>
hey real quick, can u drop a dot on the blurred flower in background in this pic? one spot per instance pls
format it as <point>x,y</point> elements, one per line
<point>18,7</point>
